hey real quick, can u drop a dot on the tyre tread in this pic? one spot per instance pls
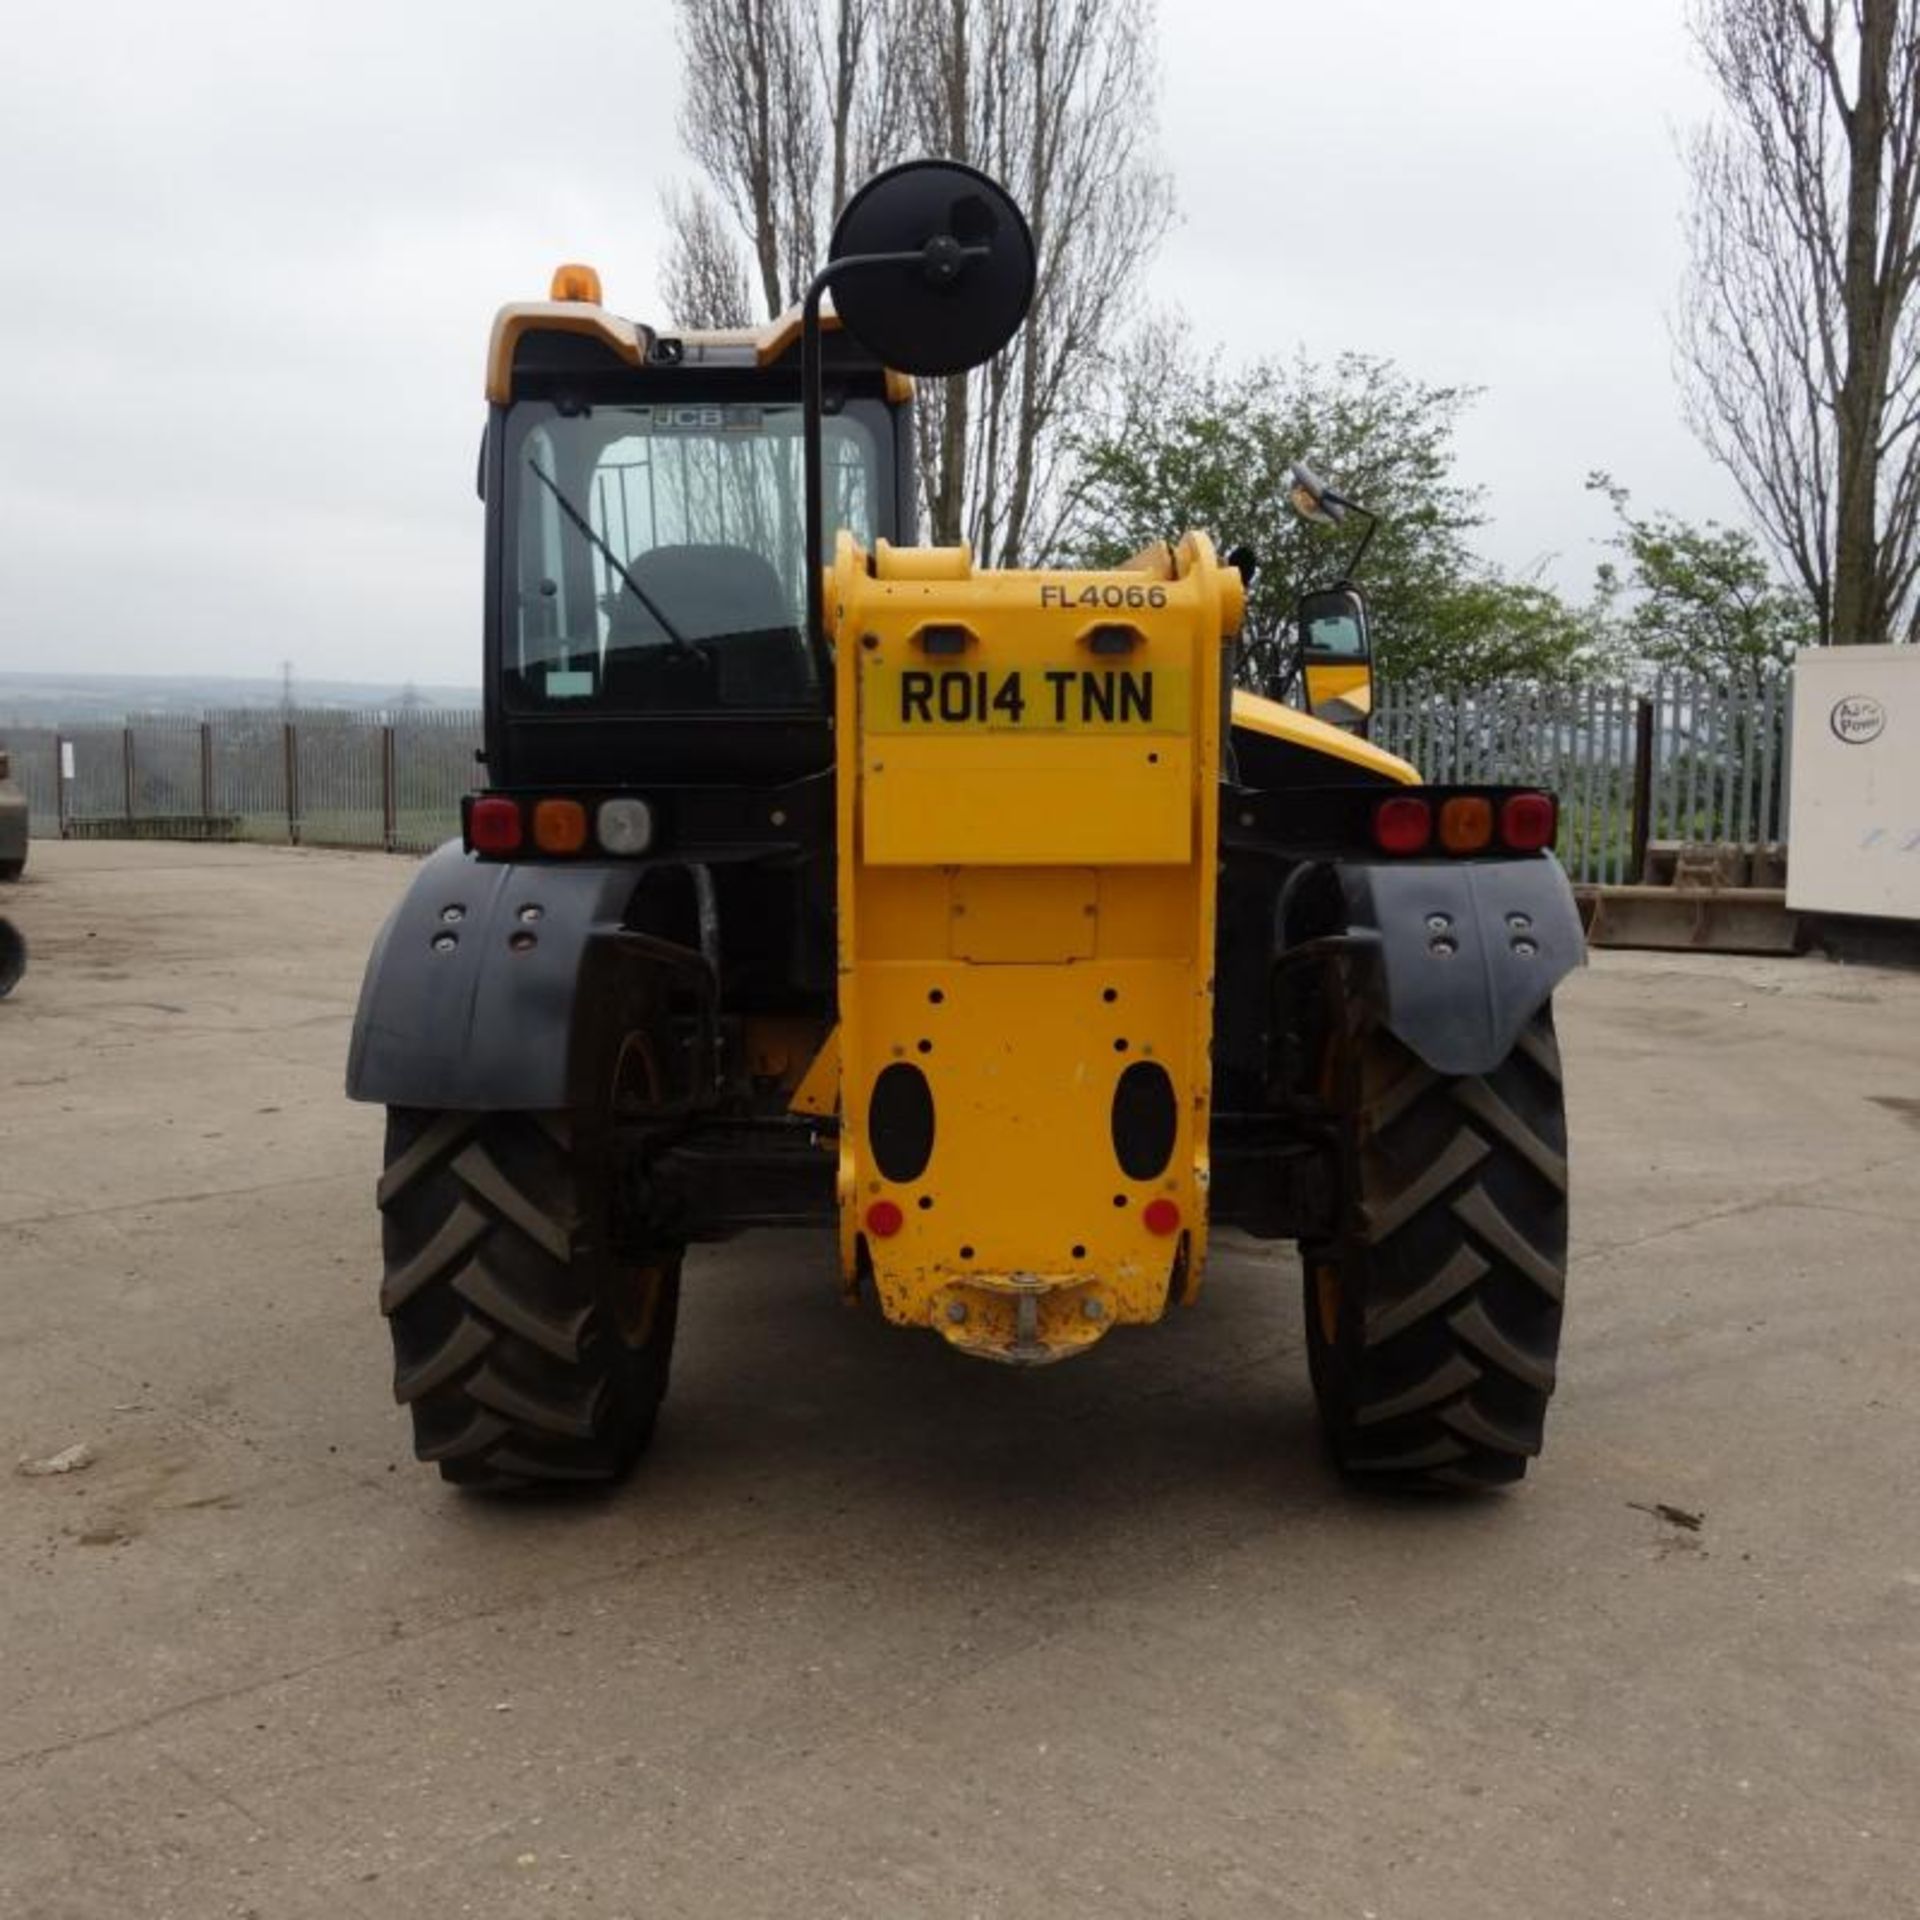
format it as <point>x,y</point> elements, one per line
<point>505,1318</point>
<point>466,1343</point>
<point>1453,1264</point>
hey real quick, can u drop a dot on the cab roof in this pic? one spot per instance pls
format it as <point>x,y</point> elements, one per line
<point>639,345</point>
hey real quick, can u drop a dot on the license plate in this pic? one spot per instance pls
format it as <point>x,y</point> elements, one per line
<point>1024,699</point>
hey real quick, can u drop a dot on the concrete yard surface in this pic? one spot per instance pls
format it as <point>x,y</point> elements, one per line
<point>879,1631</point>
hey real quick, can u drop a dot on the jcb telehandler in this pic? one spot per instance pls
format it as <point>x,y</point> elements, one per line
<point>973,915</point>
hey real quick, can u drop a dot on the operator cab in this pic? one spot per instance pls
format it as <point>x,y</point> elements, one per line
<point>646,584</point>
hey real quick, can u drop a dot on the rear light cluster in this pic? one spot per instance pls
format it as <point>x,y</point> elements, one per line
<point>497,823</point>
<point>1452,823</point>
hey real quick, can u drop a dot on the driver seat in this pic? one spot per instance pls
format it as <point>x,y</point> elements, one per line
<point>726,601</point>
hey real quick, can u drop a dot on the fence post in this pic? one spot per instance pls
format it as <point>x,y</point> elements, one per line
<point>126,769</point>
<point>388,822</point>
<point>1786,761</point>
<point>1642,790</point>
<point>290,741</point>
<point>206,772</point>
<point>62,799</point>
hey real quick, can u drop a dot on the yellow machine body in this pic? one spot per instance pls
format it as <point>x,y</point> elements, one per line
<point>1027,840</point>
<point>1254,713</point>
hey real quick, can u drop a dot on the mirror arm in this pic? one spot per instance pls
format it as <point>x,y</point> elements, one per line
<point>810,447</point>
<point>939,264</point>
<point>1359,552</point>
<point>1283,681</point>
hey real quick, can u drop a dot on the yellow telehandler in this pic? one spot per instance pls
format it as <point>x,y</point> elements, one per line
<point>820,878</point>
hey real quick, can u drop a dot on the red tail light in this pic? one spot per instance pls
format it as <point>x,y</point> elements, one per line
<point>1161,1216</point>
<point>1402,824</point>
<point>493,825</point>
<point>884,1219</point>
<point>1530,821</point>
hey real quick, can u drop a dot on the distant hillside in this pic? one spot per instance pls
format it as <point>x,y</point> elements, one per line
<point>41,699</point>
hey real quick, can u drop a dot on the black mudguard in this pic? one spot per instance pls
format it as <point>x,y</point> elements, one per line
<point>495,987</point>
<point>1514,934</point>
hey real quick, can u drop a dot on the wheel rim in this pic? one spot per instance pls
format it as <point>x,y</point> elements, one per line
<point>637,1306</point>
<point>1326,1300</point>
<point>636,1076</point>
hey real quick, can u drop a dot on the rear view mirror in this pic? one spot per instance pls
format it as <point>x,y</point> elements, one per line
<point>942,267</point>
<point>932,268</point>
<point>1336,657</point>
<point>1312,499</point>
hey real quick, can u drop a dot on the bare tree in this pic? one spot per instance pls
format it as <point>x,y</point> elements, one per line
<point>1799,327</point>
<point>785,110</point>
<point>751,118</point>
<point>1053,97</point>
<point>706,276</point>
<point>862,91</point>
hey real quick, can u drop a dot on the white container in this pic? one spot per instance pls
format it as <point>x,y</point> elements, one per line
<point>1853,834</point>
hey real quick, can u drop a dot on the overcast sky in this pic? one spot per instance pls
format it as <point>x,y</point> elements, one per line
<point>251,252</point>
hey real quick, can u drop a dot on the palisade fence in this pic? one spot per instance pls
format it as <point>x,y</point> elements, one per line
<point>1674,759</point>
<point>322,777</point>
<point>1680,758</point>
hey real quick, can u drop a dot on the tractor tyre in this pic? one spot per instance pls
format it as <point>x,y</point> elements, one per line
<point>524,1352</point>
<point>1433,1313</point>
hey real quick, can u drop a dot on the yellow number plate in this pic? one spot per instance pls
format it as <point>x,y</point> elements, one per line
<point>1036,699</point>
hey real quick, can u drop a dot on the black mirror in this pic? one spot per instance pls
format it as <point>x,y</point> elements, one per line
<point>961,273</point>
<point>1336,657</point>
<point>932,270</point>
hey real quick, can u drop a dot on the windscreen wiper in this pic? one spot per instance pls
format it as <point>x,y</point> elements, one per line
<point>640,593</point>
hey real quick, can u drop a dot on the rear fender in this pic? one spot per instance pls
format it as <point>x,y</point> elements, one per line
<point>1468,951</point>
<point>497,986</point>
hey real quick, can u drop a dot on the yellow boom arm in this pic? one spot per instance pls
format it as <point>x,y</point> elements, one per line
<point>1028,829</point>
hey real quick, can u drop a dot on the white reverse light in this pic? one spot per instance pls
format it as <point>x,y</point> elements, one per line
<point>624,826</point>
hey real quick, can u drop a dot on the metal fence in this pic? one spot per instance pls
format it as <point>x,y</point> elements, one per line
<point>315,778</point>
<point>1681,759</point>
<point>1684,759</point>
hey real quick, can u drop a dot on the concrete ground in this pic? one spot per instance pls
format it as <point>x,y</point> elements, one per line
<point>880,1632</point>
